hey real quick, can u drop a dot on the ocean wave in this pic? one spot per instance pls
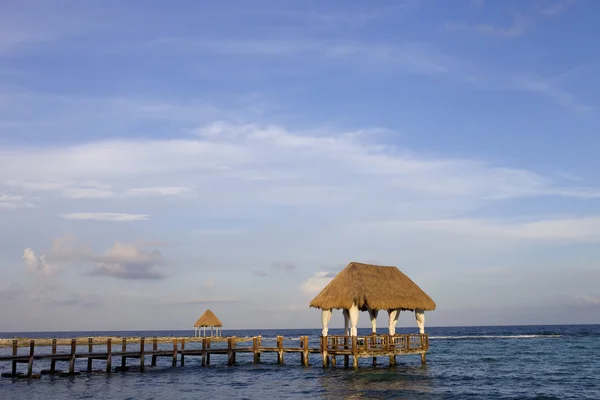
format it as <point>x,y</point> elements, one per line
<point>471,337</point>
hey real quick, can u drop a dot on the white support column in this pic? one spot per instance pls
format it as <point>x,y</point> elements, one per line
<point>346,322</point>
<point>325,317</point>
<point>354,312</point>
<point>420,317</point>
<point>373,317</point>
<point>394,315</point>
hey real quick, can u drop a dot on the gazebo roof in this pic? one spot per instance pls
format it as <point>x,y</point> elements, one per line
<point>208,319</point>
<point>372,286</point>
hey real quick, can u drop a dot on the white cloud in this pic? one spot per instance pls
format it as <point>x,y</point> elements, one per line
<point>13,202</point>
<point>587,301</point>
<point>39,266</point>
<point>156,191</point>
<point>88,193</point>
<point>112,217</point>
<point>317,282</point>
<point>121,260</point>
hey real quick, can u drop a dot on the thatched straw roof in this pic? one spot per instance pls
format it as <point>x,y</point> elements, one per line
<point>373,286</point>
<point>208,319</point>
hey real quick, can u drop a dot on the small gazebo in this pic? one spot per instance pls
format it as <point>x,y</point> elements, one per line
<point>371,288</point>
<point>208,320</point>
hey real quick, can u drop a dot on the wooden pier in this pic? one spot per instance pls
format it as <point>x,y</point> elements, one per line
<point>330,347</point>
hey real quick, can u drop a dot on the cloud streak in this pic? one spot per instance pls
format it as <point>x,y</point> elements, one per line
<point>109,217</point>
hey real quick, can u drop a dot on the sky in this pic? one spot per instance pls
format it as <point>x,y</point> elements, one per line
<point>160,158</point>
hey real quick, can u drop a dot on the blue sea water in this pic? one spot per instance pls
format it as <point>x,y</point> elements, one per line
<point>508,362</point>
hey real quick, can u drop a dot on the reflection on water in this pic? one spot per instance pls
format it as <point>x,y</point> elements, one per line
<point>380,382</point>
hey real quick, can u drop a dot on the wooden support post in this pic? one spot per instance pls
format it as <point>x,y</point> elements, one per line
<point>203,352</point>
<point>259,344</point>
<point>53,362</point>
<point>208,354</point>
<point>182,350</point>
<point>423,360</point>
<point>346,356</point>
<point>229,352</point>
<point>30,361</point>
<point>15,348</point>
<point>280,350</point>
<point>324,342</point>
<point>123,358</point>
<point>174,363</point>
<point>392,361</point>
<point>374,345</point>
<point>305,351</point>
<point>255,349</point>
<point>72,356</point>
<point>142,354</point>
<point>108,355</point>
<point>154,350</point>
<point>354,352</point>
<point>90,349</point>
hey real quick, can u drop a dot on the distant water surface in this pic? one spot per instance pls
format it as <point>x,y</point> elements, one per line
<point>514,362</point>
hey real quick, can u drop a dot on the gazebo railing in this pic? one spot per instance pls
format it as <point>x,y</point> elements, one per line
<point>376,343</point>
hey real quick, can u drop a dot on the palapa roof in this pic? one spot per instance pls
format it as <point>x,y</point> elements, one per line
<point>372,286</point>
<point>208,319</point>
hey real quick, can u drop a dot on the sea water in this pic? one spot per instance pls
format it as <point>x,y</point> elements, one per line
<point>508,362</point>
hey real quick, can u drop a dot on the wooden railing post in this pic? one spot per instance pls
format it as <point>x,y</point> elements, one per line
<point>174,363</point>
<point>30,361</point>
<point>142,354</point>
<point>108,355</point>
<point>154,350</point>
<point>72,356</point>
<point>53,361</point>
<point>280,350</point>
<point>90,350</point>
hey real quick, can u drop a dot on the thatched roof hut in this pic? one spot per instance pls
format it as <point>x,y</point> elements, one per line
<point>372,286</point>
<point>208,320</point>
<point>366,287</point>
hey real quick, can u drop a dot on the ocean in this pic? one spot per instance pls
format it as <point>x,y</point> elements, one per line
<point>506,362</point>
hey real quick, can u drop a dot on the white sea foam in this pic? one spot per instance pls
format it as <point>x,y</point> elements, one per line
<point>493,337</point>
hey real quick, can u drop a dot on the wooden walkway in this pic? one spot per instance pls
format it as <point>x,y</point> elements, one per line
<point>330,347</point>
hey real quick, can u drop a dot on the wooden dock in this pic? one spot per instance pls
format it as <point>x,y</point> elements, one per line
<point>330,347</point>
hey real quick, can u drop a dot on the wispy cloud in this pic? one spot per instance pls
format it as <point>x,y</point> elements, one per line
<point>587,301</point>
<point>581,229</point>
<point>156,191</point>
<point>208,301</point>
<point>408,57</point>
<point>519,26</point>
<point>555,8</point>
<point>13,202</point>
<point>110,217</point>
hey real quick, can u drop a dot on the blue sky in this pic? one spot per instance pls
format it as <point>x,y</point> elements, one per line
<point>180,156</point>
